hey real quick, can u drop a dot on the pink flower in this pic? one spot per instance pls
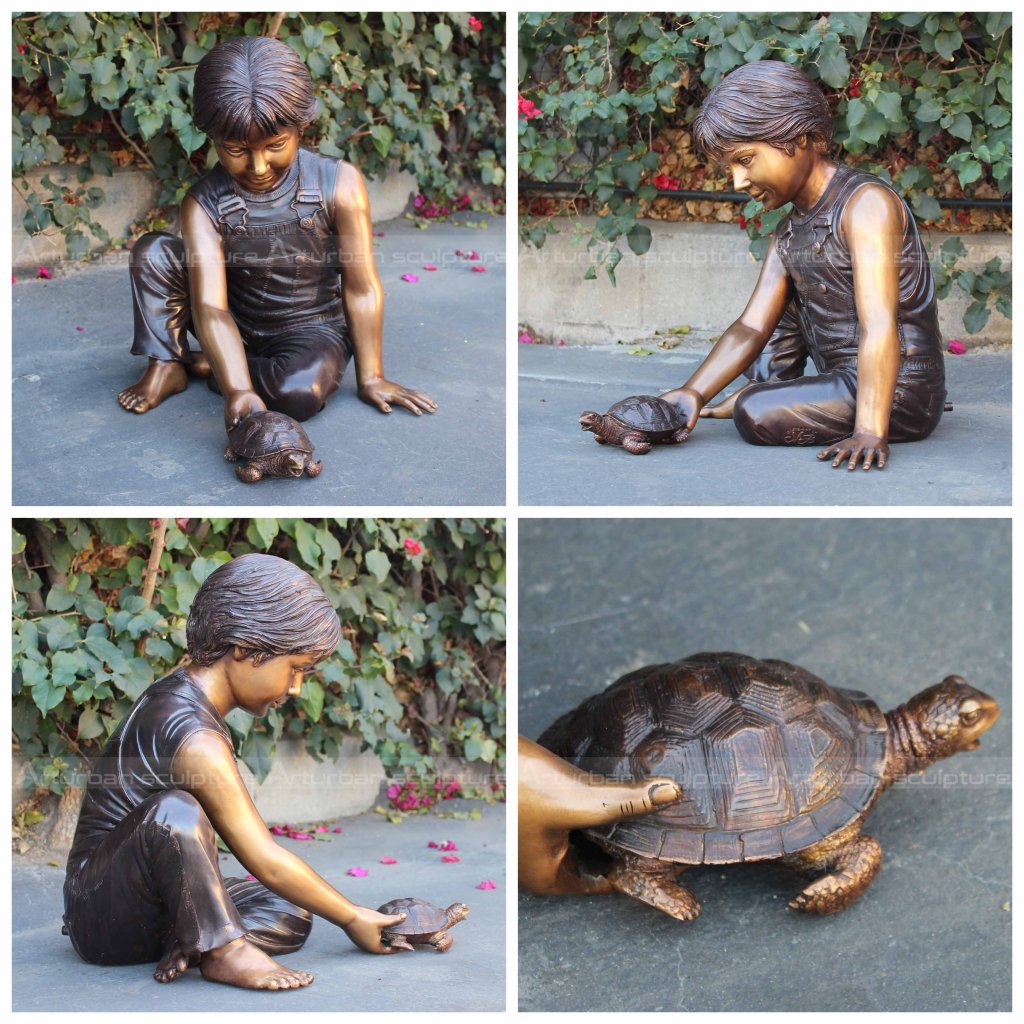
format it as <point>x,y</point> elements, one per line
<point>335,829</point>
<point>44,272</point>
<point>414,547</point>
<point>393,790</point>
<point>487,884</point>
<point>321,828</point>
<point>478,269</point>
<point>432,845</point>
<point>299,835</point>
<point>472,255</point>
<point>448,845</point>
<point>957,347</point>
<point>278,831</point>
<point>561,343</point>
<point>388,860</point>
<point>14,278</point>
<point>525,339</point>
<point>419,201</point>
<point>528,109</point>
<point>429,266</point>
<point>475,24</point>
<point>411,278</point>
<point>357,872</point>
<point>450,858</point>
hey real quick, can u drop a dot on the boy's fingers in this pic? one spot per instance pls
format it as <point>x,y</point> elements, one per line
<point>631,799</point>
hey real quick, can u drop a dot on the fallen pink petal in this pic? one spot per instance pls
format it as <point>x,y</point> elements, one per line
<point>525,339</point>
<point>299,835</point>
<point>388,860</point>
<point>473,255</point>
<point>487,884</point>
<point>79,328</point>
<point>957,347</point>
<point>336,830</point>
<point>433,845</point>
<point>278,831</point>
<point>411,278</point>
<point>378,234</point>
<point>44,272</point>
<point>14,278</point>
<point>357,872</point>
<point>448,845</point>
<point>429,266</point>
<point>450,858</point>
<point>478,269</point>
<point>321,828</point>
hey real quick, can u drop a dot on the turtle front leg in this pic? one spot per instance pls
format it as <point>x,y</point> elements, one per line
<point>636,444</point>
<point>441,941</point>
<point>250,473</point>
<point>654,883</point>
<point>851,865</point>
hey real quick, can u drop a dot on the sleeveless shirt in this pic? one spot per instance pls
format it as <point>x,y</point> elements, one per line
<point>136,762</point>
<point>819,264</point>
<point>280,248</point>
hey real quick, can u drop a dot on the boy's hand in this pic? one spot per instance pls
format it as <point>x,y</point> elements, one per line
<point>385,393</point>
<point>687,402</point>
<point>238,405</point>
<point>365,928</point>
<point>860,445</point>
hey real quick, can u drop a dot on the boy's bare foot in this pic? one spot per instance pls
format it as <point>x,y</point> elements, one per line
<point>243,964</point>
<point>173,965</point>
<point>162,379</point>
<point>722,410</point>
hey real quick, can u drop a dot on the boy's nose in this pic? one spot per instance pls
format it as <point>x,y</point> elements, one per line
<point>259,164</point>
<point>739,181</point>
<point>295,689</point>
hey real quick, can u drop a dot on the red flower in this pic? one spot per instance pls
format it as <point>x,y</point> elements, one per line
<point>44,272</point>
<point>475,24</point>
<point>964,217</point>
<point>743,222</point>
<point>528,109</point>
<point>854,89</point>
<point>414,547</point>
<point>22,49</point>
<point>957,347</point>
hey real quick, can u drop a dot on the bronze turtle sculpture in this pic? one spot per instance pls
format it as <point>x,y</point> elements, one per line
<point>636,423</point>
<point>273,445</point>
<point>424,924</point>
<point>774,764</point>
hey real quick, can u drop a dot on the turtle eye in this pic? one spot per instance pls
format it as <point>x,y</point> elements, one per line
<point>970,712</point>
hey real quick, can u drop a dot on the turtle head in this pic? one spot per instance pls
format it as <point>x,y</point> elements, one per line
<point>457,912</point>
<point>591,421</point>
<point>951,716</point>
<point>294,463</point>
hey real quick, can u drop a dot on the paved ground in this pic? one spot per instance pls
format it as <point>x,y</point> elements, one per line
<point>444,335</point>
<point>883,606</point>
<point>966,461</point>
<point>49,976</point>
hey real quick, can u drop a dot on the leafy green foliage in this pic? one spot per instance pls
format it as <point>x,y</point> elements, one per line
<point>425,90</point>
<point>598,88</point>
<point>419,673</point>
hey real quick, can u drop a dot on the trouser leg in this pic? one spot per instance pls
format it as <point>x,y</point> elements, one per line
<point>153,883</point>
<point>785,355</point>
<point>808,411</point>
<point>160,297</point>
<point>298,374</point>
<point>271,922</point>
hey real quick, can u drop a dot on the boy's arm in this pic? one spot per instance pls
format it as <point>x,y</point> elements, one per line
<point>364,297</point>
<point>740,344</point>
<point>205,767</point>
<point>214,324</point>
<point>873,227</point>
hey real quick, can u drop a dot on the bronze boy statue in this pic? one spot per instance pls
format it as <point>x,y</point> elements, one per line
<point>845,282</point>
<point>143,884</point>
<point>275,274</point>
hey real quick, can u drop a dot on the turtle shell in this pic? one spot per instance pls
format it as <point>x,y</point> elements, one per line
<point>422,918</point>
<point>770,758</point>
<point>266,433</point>
<point>647,412</point>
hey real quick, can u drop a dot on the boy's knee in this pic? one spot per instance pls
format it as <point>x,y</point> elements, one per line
<point>750,416</point>
<point>180,812</point>
<point>303,394</point>
<point>156,250</point>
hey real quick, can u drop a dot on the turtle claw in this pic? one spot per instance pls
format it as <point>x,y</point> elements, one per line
<point>826,895</point>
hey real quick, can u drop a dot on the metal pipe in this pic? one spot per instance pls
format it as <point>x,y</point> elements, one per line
<point>739,197</point>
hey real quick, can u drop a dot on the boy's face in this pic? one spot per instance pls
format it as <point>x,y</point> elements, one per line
<point>768,174</point>
<point>258,688</point>
<point>260,162</point>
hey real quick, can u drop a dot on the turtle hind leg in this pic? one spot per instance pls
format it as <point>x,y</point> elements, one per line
<point>851,867</point>
<point>654,883</point>
<point>400,942</point>
<point>636,444</point>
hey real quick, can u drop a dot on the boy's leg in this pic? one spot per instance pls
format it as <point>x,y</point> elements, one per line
<point>299,372</point>
<point>808,411</point>
<point>271,922</point>
<point>163,317</point>
<point>152,891</point>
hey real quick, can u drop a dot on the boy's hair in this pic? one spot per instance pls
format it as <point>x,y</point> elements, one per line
<point>264,605</point>
<point>766,101</point>
<point>251,83</point>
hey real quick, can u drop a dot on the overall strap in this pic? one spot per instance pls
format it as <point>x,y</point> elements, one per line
<point>232,213</point>
<point>309,200</point>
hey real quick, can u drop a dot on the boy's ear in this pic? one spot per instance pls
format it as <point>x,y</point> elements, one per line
<point>238,654</point>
